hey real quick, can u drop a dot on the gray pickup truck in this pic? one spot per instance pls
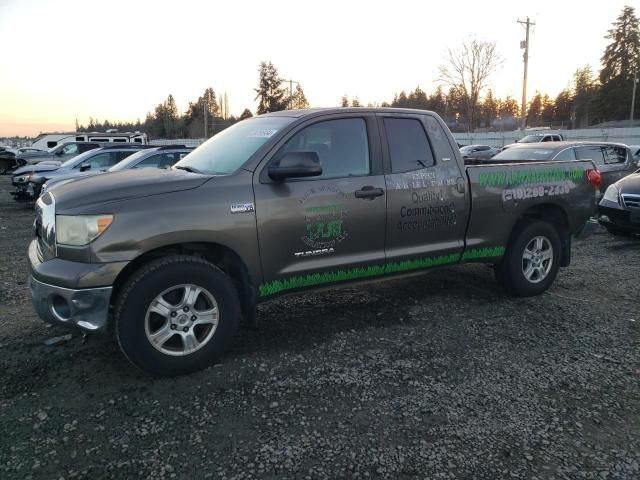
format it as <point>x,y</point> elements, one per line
<point>170,260</point>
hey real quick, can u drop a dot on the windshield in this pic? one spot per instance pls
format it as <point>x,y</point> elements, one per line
<point>227,151</point>
<point>130,160</point>
<point>531,139</point>
<point>525,154</point>
<point>79,158</point>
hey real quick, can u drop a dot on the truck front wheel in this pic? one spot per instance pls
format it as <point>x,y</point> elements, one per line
<point>532,260</point>
<point>176,315</point>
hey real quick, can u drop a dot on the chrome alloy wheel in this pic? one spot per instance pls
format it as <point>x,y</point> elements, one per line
<point>537,259</point>
<point>181,320</point>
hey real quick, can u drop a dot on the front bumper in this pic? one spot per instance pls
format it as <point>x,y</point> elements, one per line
<point>618,218</point>
<point>87,309</point>
<point>72,294</point>
<point>24,192</point>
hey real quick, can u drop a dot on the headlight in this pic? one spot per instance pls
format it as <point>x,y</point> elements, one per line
<point>21,178</point>
<point>80,229</point>
<point>612,194</point>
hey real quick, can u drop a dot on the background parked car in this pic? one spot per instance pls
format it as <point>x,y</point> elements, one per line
<point>635,151</point>
<point>158,157</point>
<point>61,153</point>
<point>613,160</point>
<point>96,160</point>
<point>537,138</point>
<point>25,190</point>
<point>619,209</point>
<point>7,159</point>
<point>478,151</point>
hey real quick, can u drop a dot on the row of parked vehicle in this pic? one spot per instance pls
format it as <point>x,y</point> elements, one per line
<point>32,180</point>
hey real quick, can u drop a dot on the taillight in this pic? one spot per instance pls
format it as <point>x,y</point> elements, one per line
<point>594,178</point>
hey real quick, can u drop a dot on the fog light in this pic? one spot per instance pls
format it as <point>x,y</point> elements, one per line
<point>60,308</point>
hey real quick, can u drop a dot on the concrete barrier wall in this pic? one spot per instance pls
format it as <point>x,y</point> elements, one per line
<point>629,136</point>
<point>187,142</point>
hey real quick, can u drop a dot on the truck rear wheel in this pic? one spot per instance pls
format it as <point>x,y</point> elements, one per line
<point>176,315</point>
<point>532,259</point>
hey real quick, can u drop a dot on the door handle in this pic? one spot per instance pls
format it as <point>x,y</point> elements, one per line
<point>461,185</point>
<point>369,192</point>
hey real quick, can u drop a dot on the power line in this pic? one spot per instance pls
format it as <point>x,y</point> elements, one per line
<point>525,45</point>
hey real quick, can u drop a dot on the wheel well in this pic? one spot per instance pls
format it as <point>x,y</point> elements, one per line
<point>556,216</point>
<point>223,257</point>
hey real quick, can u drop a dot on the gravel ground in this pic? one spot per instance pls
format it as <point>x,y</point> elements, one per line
<point>436,376</point>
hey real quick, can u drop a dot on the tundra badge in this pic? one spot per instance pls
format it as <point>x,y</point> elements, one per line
<point>242,207</point>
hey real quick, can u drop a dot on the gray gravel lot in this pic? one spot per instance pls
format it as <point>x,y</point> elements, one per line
<point>434,376</point>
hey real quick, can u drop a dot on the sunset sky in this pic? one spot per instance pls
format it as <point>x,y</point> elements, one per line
<point>67,59</point>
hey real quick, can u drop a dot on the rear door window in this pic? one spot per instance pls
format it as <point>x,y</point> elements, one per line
<point>566,154</point>
<point>409,148</point>
<point>100,161</point>
<point>70,149</point>
<point>591,152</point>
<point>614,154</point>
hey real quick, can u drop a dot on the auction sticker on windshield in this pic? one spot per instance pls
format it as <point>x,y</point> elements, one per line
<point>262,133</point>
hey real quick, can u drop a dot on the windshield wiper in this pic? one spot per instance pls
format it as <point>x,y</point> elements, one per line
<point>189,169</point>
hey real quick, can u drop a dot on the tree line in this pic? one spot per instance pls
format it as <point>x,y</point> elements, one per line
<point>463,99</point>
<point>210,113</point>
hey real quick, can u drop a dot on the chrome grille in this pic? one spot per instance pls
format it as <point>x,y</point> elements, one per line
<point>631,200</point>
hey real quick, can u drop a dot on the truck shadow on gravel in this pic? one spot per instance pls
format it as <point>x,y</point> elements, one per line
<point>292,324</point>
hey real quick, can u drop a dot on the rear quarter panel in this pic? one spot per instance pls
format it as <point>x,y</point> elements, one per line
<point>503,194</point>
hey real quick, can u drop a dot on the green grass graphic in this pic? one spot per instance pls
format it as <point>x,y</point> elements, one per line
<point>523,177</point>
<point>314,279</point>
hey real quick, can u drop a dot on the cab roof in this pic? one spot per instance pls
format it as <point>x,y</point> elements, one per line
<point>309,112</point>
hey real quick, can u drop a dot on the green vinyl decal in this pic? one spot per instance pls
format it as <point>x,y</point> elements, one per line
<point>524,177</point>
<point>315,279</point>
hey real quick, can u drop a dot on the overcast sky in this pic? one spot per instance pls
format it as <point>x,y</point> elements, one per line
<point>67,59</point>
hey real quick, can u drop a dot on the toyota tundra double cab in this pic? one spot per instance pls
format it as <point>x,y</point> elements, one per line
<point>170,260</point>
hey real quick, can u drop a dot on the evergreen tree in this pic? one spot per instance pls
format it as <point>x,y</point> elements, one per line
<point>299,100</point>
<point>489,109</point>
<point>418,99</point>
<point>548,110</point>
<point>563,106</point>
<point>438,102</point>
<point>246,113</point>
<point>585,90</point>
<point>621,59</point>
<point>534,110</point>
<point>509,108</point>
<point>355,102</point>
<point>272,97</point>
<point>344,101</point>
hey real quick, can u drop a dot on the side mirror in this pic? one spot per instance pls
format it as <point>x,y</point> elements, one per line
<point>85,166</point>
<point>295,165</point>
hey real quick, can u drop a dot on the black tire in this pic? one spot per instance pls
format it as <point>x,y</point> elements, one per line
<point>617,231</point>
<point>509,272</point>
<point>150,281</point>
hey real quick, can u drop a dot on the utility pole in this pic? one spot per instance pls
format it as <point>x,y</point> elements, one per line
<point>291,82</point>
<point>205,108</point>
<point>633,95</point>
<point>525,45</point>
